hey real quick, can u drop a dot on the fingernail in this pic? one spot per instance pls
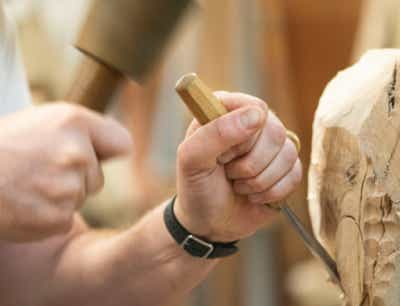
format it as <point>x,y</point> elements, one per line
<point>251,118</point>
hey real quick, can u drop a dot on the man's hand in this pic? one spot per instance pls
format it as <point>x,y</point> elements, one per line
<point>49,163</point>
<point>229,168</point>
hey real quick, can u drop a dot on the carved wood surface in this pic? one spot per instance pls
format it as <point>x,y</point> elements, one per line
<point>354,179</point>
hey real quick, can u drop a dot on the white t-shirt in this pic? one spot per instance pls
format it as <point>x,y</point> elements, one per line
<point>14,92</point>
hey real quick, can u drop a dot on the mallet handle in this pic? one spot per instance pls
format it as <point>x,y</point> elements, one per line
<point>94,85</point>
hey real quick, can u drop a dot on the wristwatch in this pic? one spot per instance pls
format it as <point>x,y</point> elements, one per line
<point>194,245</point>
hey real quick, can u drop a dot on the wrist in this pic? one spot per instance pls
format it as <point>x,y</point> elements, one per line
<point>195,244</point>
<point>196,226</point>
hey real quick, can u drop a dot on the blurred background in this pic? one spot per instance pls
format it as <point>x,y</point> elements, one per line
<point>284,51</point>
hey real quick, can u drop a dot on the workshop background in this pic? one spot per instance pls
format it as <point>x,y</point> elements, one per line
<point>284,51</point>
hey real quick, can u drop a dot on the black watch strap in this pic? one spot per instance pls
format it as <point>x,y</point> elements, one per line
<point>195,246</point>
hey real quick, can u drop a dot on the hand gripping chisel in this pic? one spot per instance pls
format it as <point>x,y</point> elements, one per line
<point>206,107</point>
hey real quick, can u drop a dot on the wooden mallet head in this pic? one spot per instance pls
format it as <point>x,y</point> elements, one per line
<point>122,38</point>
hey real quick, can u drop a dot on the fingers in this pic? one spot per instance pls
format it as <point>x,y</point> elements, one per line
<point>109,138</point>
<point>269,144</point>
<point>94,176</point>
<point>239,150</point>
<point>231,101</point>
<point>281,189</point>
<point>77,154</point>
<point>261,161</point>
<point>266,168</point>
<point>234,101</point>
<point>276,170</point>
<point>201,150</point>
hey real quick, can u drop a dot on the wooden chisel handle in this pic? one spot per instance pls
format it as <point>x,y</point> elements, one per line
<point>204,105</point>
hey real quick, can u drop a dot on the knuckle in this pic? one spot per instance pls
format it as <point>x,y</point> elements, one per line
<point>56,194</point>
<point>63,189</point>
<point>257,184</point>
<point>250,99</point>
<point>44,223</point>
<point>96,181</point>
<point>73,153</point>
<point>47,187</point>
<point>289,154</point>
<point>238,149</point>
<point>227,156</point>
<point>222,128</point>
<point>60,222</point>
<point>183,156</point>
<point>275,194</point>
<point>248,169</point>
<point>297,175</point>
<point>243,148</point>
<point>75,191</point>
<point>262,104</point>
<point>278,134</point>
<point>69,113</point>
<point>99,183</point>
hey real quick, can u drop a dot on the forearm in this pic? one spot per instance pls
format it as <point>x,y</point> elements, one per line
<point>141,266</point>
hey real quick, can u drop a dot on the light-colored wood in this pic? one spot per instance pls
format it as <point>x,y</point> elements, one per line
<point>201,101</point>
<point>354,185</point>
<point>95,84</point>
<point>130,35</point>
<point>205,106</point>
<point>378,26</point>
<point>122,37</point>
<point>307,285</point>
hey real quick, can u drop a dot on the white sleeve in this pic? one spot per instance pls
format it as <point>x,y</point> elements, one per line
<point>14,92</point>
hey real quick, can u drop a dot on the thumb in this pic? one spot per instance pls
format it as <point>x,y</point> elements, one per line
<point>109,138</point>
<point>200,151</point>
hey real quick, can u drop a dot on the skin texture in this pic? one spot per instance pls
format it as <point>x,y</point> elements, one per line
<point>49,160</point>
<point>86,267</point>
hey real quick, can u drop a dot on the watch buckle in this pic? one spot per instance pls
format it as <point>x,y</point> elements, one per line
<point>201,242</point>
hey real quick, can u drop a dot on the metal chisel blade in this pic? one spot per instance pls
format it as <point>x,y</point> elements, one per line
<point>312,244</point>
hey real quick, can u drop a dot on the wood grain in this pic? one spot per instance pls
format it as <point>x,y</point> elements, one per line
<point>201,101</point>
<point>94,85</point>
<point>354,186</point>
<point>131,35</point>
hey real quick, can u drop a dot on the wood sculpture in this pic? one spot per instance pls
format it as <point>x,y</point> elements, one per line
<point>354,179</point>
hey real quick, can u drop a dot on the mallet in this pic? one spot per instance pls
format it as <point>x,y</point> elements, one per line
<point>122,38</point>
